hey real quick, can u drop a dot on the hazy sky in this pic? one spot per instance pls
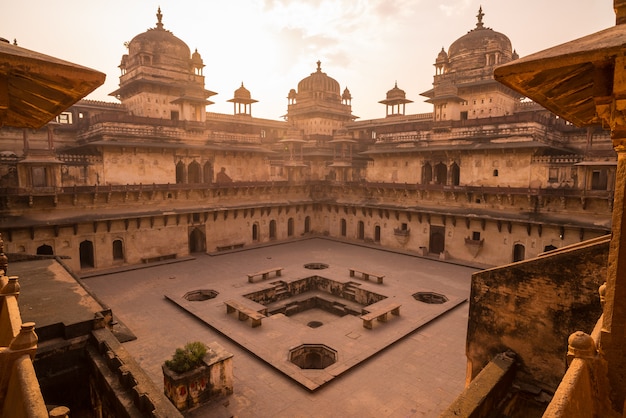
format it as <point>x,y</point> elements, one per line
<point>270,45</point>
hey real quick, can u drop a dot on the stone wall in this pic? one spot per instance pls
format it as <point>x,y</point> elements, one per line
<point>532,307</point>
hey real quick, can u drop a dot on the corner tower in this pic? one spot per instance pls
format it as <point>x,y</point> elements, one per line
<point>463,85</point>
<point>161,78</point>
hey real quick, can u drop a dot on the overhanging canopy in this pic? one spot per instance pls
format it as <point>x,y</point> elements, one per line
<point>35,88</point>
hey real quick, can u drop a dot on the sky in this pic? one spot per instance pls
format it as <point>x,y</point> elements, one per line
<point>270,45</point>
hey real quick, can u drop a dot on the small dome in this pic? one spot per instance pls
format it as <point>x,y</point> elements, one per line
<point>319,81</point>
<point>470,50</point>
<point>292,94</point>
<point>346,94</point>
<point>242,93</point>
<point>442,56</point>
<point>396,93</point>
<point>196,59</point>
<point>161,46</point>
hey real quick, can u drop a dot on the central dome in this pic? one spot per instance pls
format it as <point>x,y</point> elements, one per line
<point>470,50</point>
<point>319,82</point>
<point>161,46</point>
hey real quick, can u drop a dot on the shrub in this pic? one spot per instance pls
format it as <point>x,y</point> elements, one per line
<point>187,358</point>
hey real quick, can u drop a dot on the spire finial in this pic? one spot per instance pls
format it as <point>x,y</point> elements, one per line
<point>480,15</point>
<point>159,18</point>
<point>319,66</point>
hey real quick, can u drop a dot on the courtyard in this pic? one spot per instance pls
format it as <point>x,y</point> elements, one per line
<point>412,364</point>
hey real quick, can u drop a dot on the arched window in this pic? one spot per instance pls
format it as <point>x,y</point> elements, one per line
<point>441,174</point>
<point>85,251</point>
<point>427,174</point>
<point>455,174</point>
<point>180,173</point>
<point>208,172</point>
<point>290,227</point>
<point>118,250</point>
<point>44,250</point>
<point>193,173</point>
<point>272,229</point>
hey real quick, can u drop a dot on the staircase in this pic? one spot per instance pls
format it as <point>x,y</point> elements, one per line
<point>281,291</point>
<point>349,291</point>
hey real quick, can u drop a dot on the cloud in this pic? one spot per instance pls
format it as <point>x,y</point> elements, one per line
<point>458,7</point>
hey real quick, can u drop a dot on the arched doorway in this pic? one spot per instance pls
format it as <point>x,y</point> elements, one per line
<point>44,250</point>
<point>85,251</point>
<point>255,232</point>
<point>344,228</point>
<point>307,224</point>
<point>272,229</point>
<point>197,241</point>
<point>361,230</point>
<point>193,173</point>
<point>290,227</point>
<point>180,172</point>
<point>441,174</point>
<point>118,250</point>
<point>377,233</point>
<point>519,252</point>
<point>455,174</point>
<point>437,243</point>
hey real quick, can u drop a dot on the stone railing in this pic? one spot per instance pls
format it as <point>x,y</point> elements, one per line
<point>584,390</point>
<point>19,390</point>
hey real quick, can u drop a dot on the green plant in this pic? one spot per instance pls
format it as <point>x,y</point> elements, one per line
<point>187,358</point>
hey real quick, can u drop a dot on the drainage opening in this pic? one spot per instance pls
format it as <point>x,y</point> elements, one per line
<point>430,297</point>
<point>315,324</point>
<point>316,266</point>
<point>200,295</point>
<point>312,356</point>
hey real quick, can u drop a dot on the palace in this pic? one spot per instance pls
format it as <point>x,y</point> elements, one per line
<point>486,178</point>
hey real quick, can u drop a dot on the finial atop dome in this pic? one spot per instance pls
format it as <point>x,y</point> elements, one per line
<point>159,16</point>
<point>479,24</point>
<point>319,66</point>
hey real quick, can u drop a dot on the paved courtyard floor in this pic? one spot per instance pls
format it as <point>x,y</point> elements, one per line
<point>411,365</point>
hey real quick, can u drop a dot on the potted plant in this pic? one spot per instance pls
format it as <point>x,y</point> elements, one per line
<point>186,376</point>
<point>196,374</point>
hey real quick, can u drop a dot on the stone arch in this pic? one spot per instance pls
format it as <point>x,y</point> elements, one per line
<point>361,230</point>
<point>427,173</point>
<point>45,249</point>
<point>255,231</point>
<point>455,174</point>
<point>86,254</point>
<point>118,250</point>
<point>519,252</point>
<point>441,173</point>
<point>180,172</point>
<point>197,241</point>
<point>307,224</point>
<point>290,227</point>
<point>272,229</point>
<point>344,227</point>
<point>194,175</point>
<point>208,172</point>
<point>377,233</point>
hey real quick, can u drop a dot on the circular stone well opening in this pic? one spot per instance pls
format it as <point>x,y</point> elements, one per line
<point>315,324</point>
<point>312,356</point>
<point>430,297</point>
<point>200,295</point>
<point>316,266</point>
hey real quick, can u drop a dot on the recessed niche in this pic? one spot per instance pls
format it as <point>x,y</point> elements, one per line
<point>430,297</point>
<point>316,266</point>
<point>200,295</point>
<point>312,356</point>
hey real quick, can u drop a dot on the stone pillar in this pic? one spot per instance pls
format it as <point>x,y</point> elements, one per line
<point>612,111</point>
